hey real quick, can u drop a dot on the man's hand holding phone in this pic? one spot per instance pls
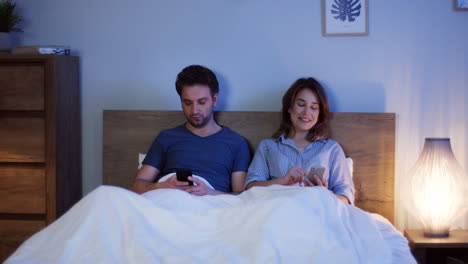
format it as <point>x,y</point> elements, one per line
<point>200,188</point>
<point>179,181</point>
<point>171,183</point>
<point>183,175</point>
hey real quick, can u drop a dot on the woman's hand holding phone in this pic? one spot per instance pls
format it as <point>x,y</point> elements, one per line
<point>315,178</point>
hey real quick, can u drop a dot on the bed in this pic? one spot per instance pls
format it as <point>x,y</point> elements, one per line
<point>277,224</point>
<point>368,138</point>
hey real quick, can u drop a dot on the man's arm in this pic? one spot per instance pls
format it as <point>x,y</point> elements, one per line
<point>144,179</point>
<point>146,176</point>
<point>237,181</point>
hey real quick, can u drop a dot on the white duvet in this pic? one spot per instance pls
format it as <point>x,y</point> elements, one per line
<point>275,224</point>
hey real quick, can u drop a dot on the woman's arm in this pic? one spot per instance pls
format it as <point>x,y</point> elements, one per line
<point>258,170</point>
<point>264,183</point>
<point>294,175</point>
<point>342,198</point>
<point>324,183</point>
<point>341,181</point>
<point>259,173</point>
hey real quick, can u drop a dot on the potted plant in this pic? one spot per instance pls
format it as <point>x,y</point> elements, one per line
<point>9,21</point>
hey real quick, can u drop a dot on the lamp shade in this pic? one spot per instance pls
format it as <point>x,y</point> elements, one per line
<point>437,187</point>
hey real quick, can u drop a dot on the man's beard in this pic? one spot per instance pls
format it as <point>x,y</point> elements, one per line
<point>202,123</point>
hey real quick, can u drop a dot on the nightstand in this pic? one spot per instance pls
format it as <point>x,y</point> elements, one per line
<point>428,250</point>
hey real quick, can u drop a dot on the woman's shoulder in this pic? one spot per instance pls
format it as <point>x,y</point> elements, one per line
<point>331,144</point>
<point>267,142</point>
<point>330,141</point>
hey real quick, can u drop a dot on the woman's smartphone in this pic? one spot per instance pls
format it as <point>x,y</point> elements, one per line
<point>183,174</point>
<point>316,172</point>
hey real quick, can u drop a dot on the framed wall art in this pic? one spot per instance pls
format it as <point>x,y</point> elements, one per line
<point>345,17</point>
<point>460,5</point>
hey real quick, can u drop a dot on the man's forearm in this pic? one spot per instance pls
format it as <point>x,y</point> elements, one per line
<point>140,186</point>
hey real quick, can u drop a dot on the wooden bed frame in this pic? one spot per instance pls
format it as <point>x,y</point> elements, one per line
<point>368,138</point>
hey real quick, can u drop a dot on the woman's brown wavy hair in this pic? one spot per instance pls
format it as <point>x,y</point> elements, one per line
<point>320,129</point>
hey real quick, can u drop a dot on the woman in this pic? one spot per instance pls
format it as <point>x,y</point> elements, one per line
<point>300,144</point>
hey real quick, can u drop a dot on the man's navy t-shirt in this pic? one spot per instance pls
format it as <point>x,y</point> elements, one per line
<point>213,157</point>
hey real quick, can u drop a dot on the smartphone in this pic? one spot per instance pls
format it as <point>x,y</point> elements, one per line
<point>183,174</point>
<point>317,172</point>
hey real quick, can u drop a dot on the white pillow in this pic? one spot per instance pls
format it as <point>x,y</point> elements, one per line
<point>141,157</point>
<point>349,161</point>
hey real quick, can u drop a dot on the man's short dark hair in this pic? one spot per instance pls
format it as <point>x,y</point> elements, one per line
<point>197,74</point>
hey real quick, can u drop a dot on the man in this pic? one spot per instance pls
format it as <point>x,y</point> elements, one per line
<point>211,151</point>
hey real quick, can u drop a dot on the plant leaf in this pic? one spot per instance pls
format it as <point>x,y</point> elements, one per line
<point>9,19</point>
<point>346,9</point>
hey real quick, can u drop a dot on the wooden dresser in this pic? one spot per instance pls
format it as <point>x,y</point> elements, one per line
<point>40,144</point>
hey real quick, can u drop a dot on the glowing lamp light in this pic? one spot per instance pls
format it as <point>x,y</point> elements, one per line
<point>437,188</point>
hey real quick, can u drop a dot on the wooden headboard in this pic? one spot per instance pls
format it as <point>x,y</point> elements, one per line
<point>368,138</point>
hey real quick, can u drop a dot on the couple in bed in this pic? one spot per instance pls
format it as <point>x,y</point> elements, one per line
<point>113,225</point>
<point>221,157</point>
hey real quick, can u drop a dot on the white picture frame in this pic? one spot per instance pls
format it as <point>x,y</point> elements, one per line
<point>351,22</point>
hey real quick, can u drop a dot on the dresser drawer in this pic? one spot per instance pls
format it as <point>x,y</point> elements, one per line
<point>22,139</point>
<point>22,189</point>
<point>21,86</point>
<point>14,232</point>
